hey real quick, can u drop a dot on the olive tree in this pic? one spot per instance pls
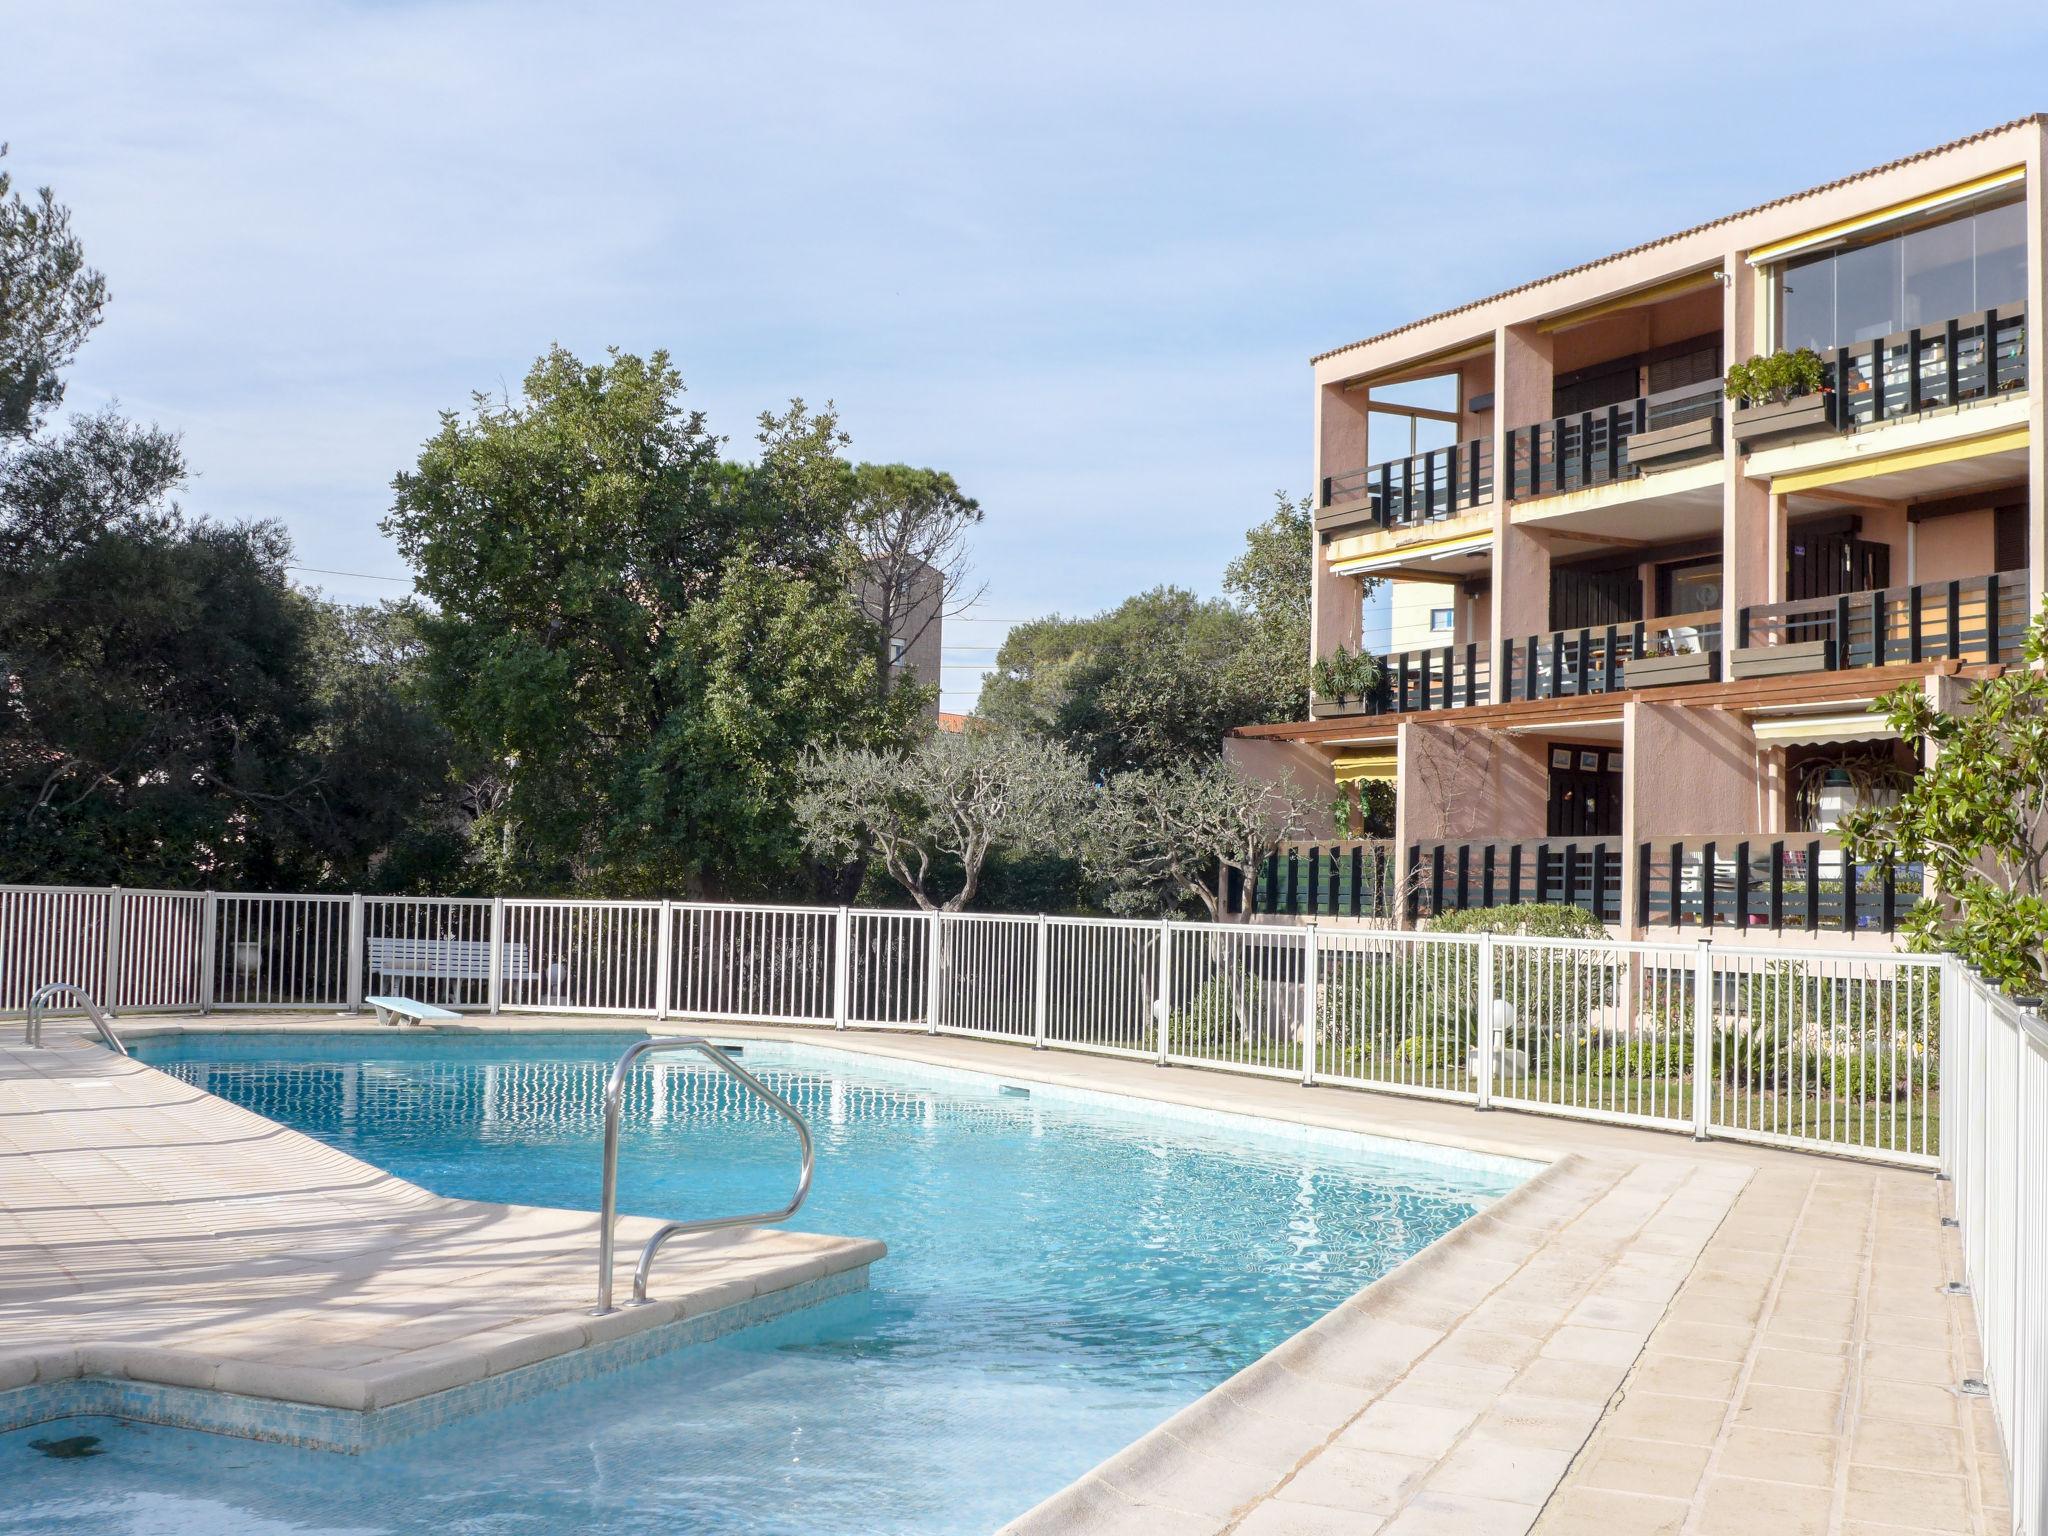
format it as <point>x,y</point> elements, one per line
<point>933,811</point>
<point>1159,839</point>
<point>1977,818</point>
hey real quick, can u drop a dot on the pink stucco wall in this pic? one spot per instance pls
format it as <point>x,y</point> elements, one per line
<point>1689,772</point>
<point>1457,782</point>
<point>1285,762</point>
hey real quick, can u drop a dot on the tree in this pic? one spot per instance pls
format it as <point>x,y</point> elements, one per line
<point>386,808</point>
<point>1159,678</point>
<point>1164,839</point>
<point>908,528</point>
<point>156,693</point>
<point>942,804</point>
<point>644,636</point>
<point>1273,581</point>
<point>171,710</point>
<point>1977,817</point>
<point>50,300</point>
<point>1156,679</point>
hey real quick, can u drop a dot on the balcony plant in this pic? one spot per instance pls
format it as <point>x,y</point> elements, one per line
<point>1345,682</point>
<point>1779,396</point>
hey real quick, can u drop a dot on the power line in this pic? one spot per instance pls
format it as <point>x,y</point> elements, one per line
<point>321,570</point>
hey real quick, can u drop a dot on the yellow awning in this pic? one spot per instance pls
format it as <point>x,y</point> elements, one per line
<point>1821,730</point>
<point>1367,767</point>
<point>1893,463</point>
<point>1409,554</point>
<point>1777,250</point>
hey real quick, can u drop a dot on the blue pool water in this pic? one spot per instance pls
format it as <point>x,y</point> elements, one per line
<point>1062,1276</point>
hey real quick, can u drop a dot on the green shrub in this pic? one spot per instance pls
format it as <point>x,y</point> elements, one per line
<point>1436,1047</point>
<point>1879,1077</point>
<point>1666,1057</point>
<point>1775,379</point>
<point>1528,920</point>
<point>1345,674</point>
<point>1786,999</point>
<point>1551,1000</point>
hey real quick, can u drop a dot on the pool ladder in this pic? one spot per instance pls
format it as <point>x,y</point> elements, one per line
<point>614,1097</point>
<point>49,993</point>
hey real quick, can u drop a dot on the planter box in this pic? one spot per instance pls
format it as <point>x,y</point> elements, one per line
<point>1801,416</point>
<point>1346,516</point>
<point>1337,709</point>
<point>1663,671</point>
<point>1783,660</point>
<point>1668,446</point>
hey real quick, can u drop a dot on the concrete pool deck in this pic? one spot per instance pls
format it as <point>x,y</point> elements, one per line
<point>1651,1335</point>
<point>151,1233</point>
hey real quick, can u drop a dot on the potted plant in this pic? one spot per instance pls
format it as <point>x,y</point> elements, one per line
<point>1345,682</point>
<point>1780,396</point>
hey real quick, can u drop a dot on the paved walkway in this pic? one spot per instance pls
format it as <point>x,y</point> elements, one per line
<point>1803,1380</point>
<point>151,1232</point>
<point>1799,1375</point>
<point>1652,1336</point>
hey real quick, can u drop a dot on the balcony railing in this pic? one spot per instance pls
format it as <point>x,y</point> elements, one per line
<point>1589,448</point>
<point>1930,366</point>
<point>1573,663</point>
<point>1806,884</point>
<point>1341,879</point>
<point>1422,488</point>
<point>1575,872</point>
<point>1979,619</point>
<point>1442,677</point>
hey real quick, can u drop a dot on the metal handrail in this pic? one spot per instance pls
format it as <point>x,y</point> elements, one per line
<point>48,993</point>
<point>614,1096</point>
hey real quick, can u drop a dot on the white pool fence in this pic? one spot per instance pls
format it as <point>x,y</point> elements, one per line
<point>1902,1059</point>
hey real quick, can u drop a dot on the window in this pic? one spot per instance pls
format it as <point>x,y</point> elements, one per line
<point>897,646</point>
<point>1440,621</point>
<point>1693,588</point>
<point>1921,277</point>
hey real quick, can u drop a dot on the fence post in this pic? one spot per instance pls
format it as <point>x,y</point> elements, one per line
<point>209,939</point>
<point>1309,991</point>
<point>1162,1001</point>
<point>356,952</point>
<point>664,958</point>
<point>1484,1099</point>
<point>842,964</point>
<point>1040,1003</point>
<point>1702,1039</point>
<point>111,957</point>
<point>497,983</point>
<point>933,974</point>
<point>1947,1036</point>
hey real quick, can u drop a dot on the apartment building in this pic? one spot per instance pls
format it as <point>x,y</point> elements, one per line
<point>1636,627</point>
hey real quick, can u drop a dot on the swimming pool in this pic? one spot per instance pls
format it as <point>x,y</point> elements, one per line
<point>1065,1271</point>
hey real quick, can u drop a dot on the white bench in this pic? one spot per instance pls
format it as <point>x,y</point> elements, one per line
<point>403,1010</point>
<point>441,959</point>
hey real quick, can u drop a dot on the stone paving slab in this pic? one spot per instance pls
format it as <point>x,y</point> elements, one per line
<point>1651,1335</point>
<point>151,1232</point>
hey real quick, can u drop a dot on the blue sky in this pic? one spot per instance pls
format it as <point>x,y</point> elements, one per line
<point>1077,255</point>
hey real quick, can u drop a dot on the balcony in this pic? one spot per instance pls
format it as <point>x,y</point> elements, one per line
<point>1802,884</point>
<point>1981,619</point>
<point>1344,879</point>
<point>1784,884</point>
<point>1406,493</point>
<point>1685,648</point>
<point>1972,357</point>
<point>1616,442</point>
<point>1445,677</point>
<point>1579,872</point>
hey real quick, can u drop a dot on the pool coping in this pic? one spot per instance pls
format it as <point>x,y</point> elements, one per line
<point>1438,1392</point>
<point>271,1384</point>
